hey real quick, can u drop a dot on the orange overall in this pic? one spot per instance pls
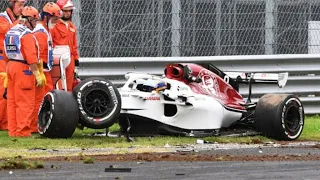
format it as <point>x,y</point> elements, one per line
<point>6,20</point>
<point>43,44</point>
<point>42,39</point>
<point>64,33</point>
<point>21,86</point>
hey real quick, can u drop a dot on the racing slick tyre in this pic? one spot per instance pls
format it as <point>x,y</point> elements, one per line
<point>99,102</point>
<point>58,115</point>
<point>280,116</point>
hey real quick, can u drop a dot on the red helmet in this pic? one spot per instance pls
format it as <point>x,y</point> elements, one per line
<point>65,4</point>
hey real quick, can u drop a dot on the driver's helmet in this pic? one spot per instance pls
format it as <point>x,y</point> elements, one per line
<point>150,85</point>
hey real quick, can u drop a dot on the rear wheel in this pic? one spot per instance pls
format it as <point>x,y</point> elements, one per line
<point>58,115</point>
<point>280,116</point>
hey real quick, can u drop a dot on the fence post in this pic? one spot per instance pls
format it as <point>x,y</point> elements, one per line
<point>175,28</point>
<point>270,23</point>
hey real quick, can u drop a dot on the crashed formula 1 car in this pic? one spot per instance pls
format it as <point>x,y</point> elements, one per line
<point>188,100</point>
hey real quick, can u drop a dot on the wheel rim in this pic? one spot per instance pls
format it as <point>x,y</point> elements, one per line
<point>292,120</point>
<point>45,113</point>
<point>97,103</point>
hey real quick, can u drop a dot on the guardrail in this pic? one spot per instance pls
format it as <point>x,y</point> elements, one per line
<point>304,71</point>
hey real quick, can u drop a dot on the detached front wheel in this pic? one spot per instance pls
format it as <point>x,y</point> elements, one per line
<point>99,102</point>
<point>280,116</point>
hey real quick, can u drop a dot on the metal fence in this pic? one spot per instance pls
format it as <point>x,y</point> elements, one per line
<point>142,28</point>
<point>304,72</point>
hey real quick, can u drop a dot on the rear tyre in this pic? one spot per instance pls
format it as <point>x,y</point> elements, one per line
<point>280,116</point>
<point>99,102</point>
<point>58,115</point>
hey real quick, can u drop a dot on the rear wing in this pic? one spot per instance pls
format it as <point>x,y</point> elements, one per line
<point>234,78</point>
<point>243,77</point>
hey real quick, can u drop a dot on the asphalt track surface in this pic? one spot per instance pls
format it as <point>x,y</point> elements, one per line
<point>174,170</point>
<point>194,162</point>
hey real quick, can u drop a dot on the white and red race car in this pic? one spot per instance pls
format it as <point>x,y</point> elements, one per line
<point>188,100</point>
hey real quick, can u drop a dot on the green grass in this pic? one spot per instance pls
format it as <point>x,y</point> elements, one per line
<point>311,131</point>
<point>19,163</point>
<point>11,147</point>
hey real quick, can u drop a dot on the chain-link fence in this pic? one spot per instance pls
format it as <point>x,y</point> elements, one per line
<point>126,28</point>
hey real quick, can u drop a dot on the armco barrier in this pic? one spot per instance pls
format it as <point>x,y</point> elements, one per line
<point>304,71</point>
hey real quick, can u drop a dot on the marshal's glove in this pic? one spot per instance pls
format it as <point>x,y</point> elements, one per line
<point>40,78</point>
<point>40,67</point>
<point>4,77</point>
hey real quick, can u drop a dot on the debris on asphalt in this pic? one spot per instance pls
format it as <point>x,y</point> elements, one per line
<point>53,167</point>
<point>184,150</point>
<point>111,168</point>
<point>180,174</point>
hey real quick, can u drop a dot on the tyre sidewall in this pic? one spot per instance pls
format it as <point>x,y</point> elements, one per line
<point>50,99</point>
<point>102,84</point>
<point>290,102</point>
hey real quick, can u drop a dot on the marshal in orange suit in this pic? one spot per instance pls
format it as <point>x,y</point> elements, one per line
<point>23,73</point>
<point>50,14</point>
<point>65,33</point>
<point>7,20</point>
